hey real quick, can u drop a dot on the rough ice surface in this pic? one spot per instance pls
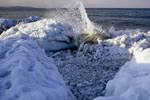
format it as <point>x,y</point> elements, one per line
<point>49,34</point>
<point>132,81</point>
<point>26,73</point>
<point>88,69</point>
<point>5,24</point>
<point>133,40</point>
<point>30,19</point>
<point>87,73</point>
<point>8,22</point>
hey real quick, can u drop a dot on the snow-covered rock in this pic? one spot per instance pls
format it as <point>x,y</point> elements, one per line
<point>132,81</point>
<point>26,73</point>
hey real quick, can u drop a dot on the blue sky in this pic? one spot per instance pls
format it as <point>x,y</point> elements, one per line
<point>87,3</point>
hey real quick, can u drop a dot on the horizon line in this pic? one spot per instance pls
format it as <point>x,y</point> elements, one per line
<point>65,8</point>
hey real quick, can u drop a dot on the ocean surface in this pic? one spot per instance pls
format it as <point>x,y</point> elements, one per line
<point>120,18</point>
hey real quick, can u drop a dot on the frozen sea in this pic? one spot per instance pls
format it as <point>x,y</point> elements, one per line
<point>120,18</point>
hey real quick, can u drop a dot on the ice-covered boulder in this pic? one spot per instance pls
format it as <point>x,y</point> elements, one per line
<point>26,73</point>
<point>132,81</point>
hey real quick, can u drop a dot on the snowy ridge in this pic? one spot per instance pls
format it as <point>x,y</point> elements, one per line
<point>26,73</point>
<point>50,34</point>
<point>133,40</point>
<point>132,81</point>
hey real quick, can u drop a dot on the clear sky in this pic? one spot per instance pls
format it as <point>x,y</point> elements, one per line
<point>87,3</point>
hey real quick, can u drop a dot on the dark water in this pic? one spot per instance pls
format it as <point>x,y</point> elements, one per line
<point>107,17</point>
<point>121,18</point>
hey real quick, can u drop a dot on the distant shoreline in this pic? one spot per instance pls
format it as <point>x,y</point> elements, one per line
<point>23,7</point>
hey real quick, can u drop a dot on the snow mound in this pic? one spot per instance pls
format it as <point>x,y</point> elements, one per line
<point>26,73</point>
<point>50,34</point>
<point>132,81</point>
<point>133,40</point>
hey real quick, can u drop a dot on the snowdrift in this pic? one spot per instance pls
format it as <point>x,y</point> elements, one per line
<point>51,35</point>
<point>26,73</point>
<point>132,81</point>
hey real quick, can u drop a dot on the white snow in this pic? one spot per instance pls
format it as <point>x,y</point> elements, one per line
<point>5,24</point>
<point>133,40</point>
<point>132,81</point>
<point>49,34</point>
<point>26,73</point>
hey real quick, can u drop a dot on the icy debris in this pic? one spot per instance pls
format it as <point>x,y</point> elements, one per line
<point>132,81</point>
<point>8,22</point>
<point>5,24</point>
<point>133,40</point>
<point>87,70</point>
<point>26,73</point>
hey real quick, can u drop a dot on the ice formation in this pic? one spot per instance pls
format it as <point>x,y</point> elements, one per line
<point>22,49</point>
<point>132,81</point>
<point>5,24</point>
<point>26,73</point>
<point>88,69</point>
<point>49,34</point>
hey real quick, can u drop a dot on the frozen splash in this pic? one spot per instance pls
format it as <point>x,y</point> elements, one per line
<point>75,14</point>
<point>85,24</point>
